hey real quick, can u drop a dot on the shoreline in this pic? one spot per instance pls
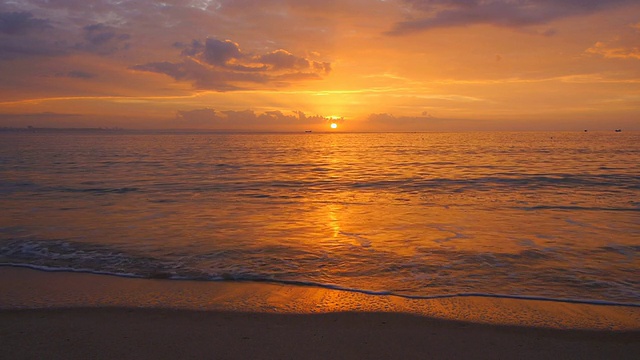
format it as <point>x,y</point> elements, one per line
<point>78,316</point>
<point>25,288</point>
<point>328,287</point>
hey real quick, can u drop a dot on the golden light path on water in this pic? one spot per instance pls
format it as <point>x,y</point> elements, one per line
<point>415,214</point>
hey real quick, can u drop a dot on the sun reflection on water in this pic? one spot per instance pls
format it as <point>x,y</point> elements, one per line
<point>334,222</point>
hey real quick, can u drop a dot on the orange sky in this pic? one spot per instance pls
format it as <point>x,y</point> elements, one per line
<point>375,65</point>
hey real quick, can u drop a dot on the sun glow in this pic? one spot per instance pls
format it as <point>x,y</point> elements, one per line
<point>334,125</point>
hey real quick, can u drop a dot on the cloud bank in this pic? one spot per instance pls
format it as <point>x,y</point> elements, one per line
<point>102,39</point>
<point>248,120</point>
<point>22,34</point>
<point>221,65</point>
<point>434,14</point>
<point>21,23</point>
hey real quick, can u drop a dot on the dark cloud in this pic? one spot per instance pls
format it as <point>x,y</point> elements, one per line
<point>103,39</point>
<point>13,48</point>
<point>223,54</point>
<point>222,65</point>
<point>505,13</point>
<point>76,74</point>
<point>201,75</point>
<point>176,71</point>
<point>282,59</point>
<point>247,119</point>
<point>24,35</point>
<point>21,34</point>
<point>215,52</point>
<point>21,23</point>
<point>227,54</point>
<point>325,10</point>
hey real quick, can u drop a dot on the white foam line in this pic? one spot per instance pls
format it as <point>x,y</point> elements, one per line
<point>448,296</point>
<point>339,288</point>
<point>73,270</point>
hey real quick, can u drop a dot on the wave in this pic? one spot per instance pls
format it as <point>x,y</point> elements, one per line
<point>230,278</point>
<point>509,181</point>
<point>578,208</point>
<point>284,265</point>
<point>97,191</point>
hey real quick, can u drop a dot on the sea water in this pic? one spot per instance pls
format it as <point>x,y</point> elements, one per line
<point>552,216</point>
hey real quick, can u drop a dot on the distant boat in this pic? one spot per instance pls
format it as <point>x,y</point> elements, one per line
<point>618,130</point>
<point>307,131</point>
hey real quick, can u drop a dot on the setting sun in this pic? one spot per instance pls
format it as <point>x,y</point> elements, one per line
<point>334,125</point>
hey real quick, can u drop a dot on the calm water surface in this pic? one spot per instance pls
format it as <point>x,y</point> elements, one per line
<point>543,215</point>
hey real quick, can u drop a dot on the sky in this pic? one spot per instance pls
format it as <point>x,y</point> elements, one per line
<point>294,65</point>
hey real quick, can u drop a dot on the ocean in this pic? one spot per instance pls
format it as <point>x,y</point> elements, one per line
<point>536,215</point>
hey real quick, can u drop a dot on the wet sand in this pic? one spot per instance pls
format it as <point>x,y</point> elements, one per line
<point>80,316</point>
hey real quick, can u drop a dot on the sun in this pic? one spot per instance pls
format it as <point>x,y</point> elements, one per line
<point>334,125</point>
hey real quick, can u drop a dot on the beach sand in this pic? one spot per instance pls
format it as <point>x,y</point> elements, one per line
<point>82,316</point>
